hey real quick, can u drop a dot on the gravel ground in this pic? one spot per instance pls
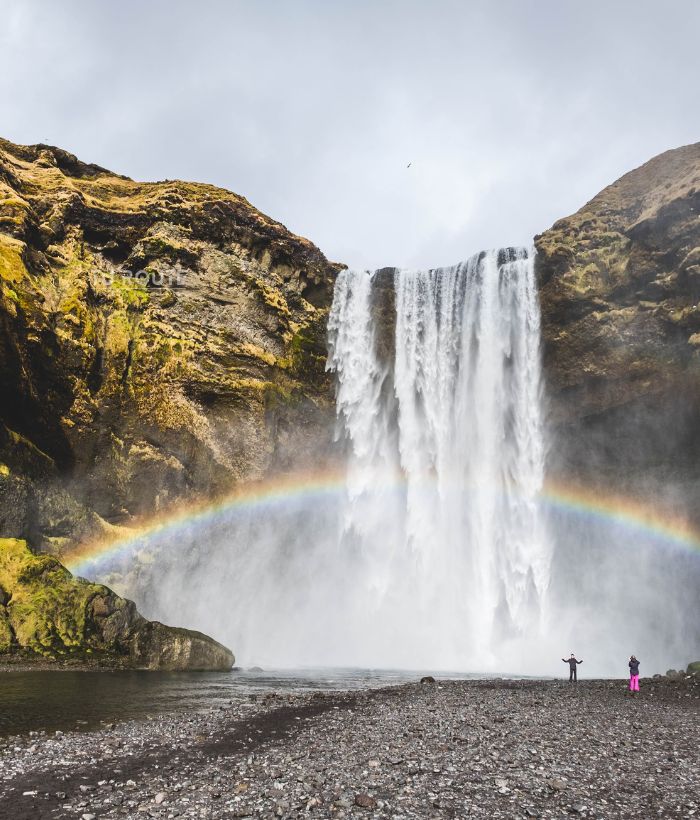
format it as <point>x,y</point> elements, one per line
<point>490,749</point>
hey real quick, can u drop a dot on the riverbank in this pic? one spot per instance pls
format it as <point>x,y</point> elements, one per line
<point>35,663</point>
<point>487,749</point>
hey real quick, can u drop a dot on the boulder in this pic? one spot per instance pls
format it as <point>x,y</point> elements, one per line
<point>46,611</point>
<point>156,646</point>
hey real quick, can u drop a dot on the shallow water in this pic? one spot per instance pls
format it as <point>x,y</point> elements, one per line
<point>48,700</point>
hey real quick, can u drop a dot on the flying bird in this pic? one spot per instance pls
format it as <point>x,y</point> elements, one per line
<point>409,165</point>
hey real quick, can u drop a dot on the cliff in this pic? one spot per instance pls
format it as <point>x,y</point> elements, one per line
<point>157,340</point>
<point>619,287</point>
<point>167,340</point>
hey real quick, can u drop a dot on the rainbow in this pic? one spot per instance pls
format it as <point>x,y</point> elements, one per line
<point>633,514</point>
<point>94,557</point>
<point>280,492</point>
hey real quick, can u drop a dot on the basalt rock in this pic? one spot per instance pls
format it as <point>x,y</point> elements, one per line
<point>156,646</point>
<point>46,612</point>
<point>620,293</point>
<point>157,340</point>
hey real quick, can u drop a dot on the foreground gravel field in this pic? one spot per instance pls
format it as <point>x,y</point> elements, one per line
<point>490,749</point>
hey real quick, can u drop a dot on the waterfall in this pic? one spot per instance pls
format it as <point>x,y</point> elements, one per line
<point>433,550</point>
<point>442,540</point>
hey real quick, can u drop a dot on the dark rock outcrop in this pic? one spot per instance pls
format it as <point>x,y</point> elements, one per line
<point>156,646</point>
<point>620,291</point>
<point>46,612</point>
<point>157,340</point>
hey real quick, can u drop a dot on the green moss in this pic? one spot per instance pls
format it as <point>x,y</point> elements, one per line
<point>120,331</point>
<point>18,440</point>
<point>276,396</point>
<point>166,243</point>
<point>6,636</point>
<point>306,358</point>
<point>12,267</point>
<point>47,607</point>
<point>10,294</point>
<point>257,352</point>
<point>273,298</point>
<point>129,292</point>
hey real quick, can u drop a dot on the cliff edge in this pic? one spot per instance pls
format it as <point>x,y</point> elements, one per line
<point>157,340</point>
<point>620,293</point>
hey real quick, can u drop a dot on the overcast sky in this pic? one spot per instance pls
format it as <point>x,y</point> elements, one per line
<point>512,113</point>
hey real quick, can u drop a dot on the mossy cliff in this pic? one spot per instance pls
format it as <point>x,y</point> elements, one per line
<point>46,612</point>
<point>620,293</point>
<point>157,340</point>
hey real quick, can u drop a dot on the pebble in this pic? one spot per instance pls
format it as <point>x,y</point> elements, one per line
<point>479,749</point>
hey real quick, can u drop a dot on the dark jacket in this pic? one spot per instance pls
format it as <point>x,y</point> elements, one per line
<point>572,662</point>
<point>634,667</point>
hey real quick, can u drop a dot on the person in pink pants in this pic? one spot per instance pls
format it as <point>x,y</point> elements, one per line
<point>634,674</point>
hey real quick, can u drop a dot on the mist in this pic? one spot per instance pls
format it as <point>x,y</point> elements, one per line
<point>441,549</point>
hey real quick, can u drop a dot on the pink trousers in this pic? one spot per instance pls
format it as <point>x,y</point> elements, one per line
<point>634,683</point>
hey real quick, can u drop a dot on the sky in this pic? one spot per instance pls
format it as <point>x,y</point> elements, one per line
<point>511,113</point>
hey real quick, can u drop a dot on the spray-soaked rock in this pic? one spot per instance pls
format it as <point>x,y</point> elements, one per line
<point>156,646</point>
<point>46,612</point>
<point>619,287</point>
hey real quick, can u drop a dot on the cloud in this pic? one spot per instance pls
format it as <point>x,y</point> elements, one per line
<point>511,114</point>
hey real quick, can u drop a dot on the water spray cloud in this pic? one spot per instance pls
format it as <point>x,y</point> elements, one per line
<point>96,556</point>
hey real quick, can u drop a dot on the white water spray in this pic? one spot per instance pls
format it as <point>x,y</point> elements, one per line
<point>459,563</point>
<point>434,554</point>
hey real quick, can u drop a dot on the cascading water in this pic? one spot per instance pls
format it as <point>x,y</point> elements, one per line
<point>433,552</point>
<point>457,561</point>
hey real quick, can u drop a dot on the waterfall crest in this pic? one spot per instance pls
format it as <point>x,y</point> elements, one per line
<point>441,530</point>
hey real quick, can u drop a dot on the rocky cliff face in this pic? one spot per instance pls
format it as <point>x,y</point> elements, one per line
<point>162,340</point>
<point>620,292</point>
<point>156,340</point>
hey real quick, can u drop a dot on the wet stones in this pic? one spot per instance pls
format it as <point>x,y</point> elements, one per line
<point>526,749</point>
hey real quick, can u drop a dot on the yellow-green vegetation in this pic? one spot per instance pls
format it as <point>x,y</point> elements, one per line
<point>273,298</point>
<point>47,606</point>
<point>166,243</point>
<point>12,268</point>
<point>129,292</point>
<point>596,257</point>
<point>156,316</point>
<point>276,396</point>
<point>45,611</point>
<point>5,632</point>
<point>257,352</point>
<point>13,212</point>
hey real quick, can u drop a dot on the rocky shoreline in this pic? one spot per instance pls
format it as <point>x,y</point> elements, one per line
<point>20,662</point>
<point>488,749</point>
